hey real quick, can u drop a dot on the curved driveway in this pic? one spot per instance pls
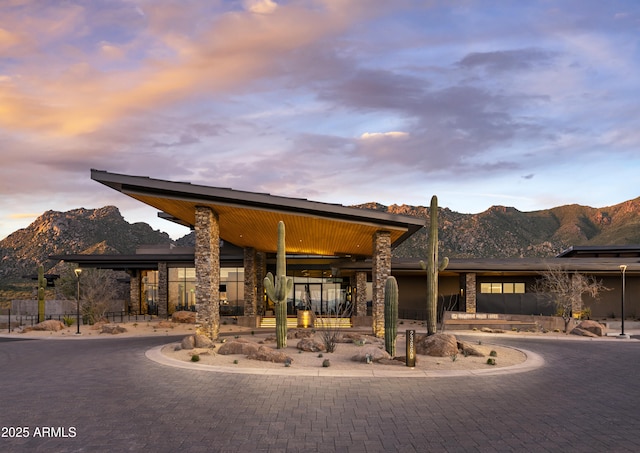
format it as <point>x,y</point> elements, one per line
<point>105,395</point>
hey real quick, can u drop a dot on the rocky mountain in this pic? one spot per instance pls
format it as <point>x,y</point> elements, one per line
<point>102,231</point>
<point>498,232</point>
<point>504,232</point>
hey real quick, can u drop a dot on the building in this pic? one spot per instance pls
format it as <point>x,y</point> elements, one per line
<point>338,256</point>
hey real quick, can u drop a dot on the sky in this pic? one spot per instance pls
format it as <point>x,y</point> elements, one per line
<point>528,104</point>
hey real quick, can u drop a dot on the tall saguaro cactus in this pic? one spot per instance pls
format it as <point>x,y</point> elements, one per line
<point>390,315</point>
<point>433,267</point>
<point>277,289</point>
<point>42,283</point>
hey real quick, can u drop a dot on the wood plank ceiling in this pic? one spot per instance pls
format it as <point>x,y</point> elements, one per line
<point>249,226</point>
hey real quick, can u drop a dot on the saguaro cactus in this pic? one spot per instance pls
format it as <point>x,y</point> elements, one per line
<point>277,289</point>
<point>433,267</point>
<point>390,315</point>
<point>42,283</point>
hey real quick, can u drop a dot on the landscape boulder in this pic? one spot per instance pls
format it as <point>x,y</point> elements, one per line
<point>582,332</point>
<point>437,345</point>
<point>468,349</point>
<point>310,345</point>
<point>238,346</point>
<point>374,353</point>
<point>299,333</point>
<point>593,326</point>
<point>50,325</point>
<point>267,354</point>
<point>112,329</point>
<point>202,341</point>
<point>188,342</point>
<point>184,317</point>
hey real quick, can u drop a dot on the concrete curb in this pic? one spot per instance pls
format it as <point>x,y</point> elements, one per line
<point>532,362</point>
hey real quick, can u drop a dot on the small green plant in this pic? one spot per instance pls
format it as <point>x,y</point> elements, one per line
<point>320,356</point>
<point>300,351</point>
<point>475,329</point>
<point>359,342</point>
<point>479,342</point>
<point>235,362</point>
<point>195,358</point>
<point>326,363</point>
<point>287,362</point>
<point>514,329</point>
<point>236,336</point>
<point>68,321</point>
<point>491,361</point>
<point>135,324</point>
<point>556,330</point>
<point>465,353</point>
<point>493,353</point>
<point>253,333</point>
<point>224,323</point>
<point>454,357</point>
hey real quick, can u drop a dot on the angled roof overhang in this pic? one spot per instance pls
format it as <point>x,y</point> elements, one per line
<point>249,219</point>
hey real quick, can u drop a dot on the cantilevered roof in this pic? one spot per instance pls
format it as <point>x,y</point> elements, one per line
<point>249,219</point>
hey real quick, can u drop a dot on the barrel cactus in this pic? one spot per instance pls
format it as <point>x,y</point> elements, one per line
<point>433,267</point>
<point>277,289</point>
<point>390,315</point>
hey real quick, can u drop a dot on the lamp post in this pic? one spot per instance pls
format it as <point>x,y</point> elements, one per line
<point>78,271</point>
<point>623,269</point>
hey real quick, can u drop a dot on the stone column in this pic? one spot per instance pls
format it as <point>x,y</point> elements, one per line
<point>134,291</point>
<point>470,292</point>
<point>361,294</point>
<point>163,290</point>
<point>207,261</point>
<point>381,270</point>
<point>250,282</point>
<point>261,273</point>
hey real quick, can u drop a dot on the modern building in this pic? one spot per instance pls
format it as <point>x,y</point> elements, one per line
<point>339,258</point>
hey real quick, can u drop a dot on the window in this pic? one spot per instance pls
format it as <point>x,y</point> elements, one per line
<point>502,288</point>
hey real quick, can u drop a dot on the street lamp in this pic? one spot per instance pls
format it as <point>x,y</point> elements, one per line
<point>623,269</point>
<point>78,271</point>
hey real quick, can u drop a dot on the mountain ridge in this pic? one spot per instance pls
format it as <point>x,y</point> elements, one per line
<point>498,232</point>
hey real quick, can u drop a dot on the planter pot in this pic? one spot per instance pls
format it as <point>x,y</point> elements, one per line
<point>304,318</point>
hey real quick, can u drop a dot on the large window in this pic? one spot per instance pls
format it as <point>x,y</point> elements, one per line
<point>232,291</point>
<point>182,288</point>
<point>502,288</point>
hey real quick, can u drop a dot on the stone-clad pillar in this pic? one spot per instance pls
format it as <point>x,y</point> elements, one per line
<point>361,294</point>
<point>470,292</point>
<point>207,261</point>
<point>163,290</point>
<point>381,270</point>
<point>261,273</point>
<point>250,282</point>
<point>134,291</point>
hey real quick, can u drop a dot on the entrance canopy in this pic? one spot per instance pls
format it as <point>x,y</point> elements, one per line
<point>249,219</point>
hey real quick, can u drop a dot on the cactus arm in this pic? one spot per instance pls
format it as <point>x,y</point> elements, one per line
<point>443,264</point>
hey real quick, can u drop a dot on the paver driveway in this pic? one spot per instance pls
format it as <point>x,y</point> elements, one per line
<point>105,395</point>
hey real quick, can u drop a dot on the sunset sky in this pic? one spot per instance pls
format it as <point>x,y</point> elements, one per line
<point>530,104</point>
